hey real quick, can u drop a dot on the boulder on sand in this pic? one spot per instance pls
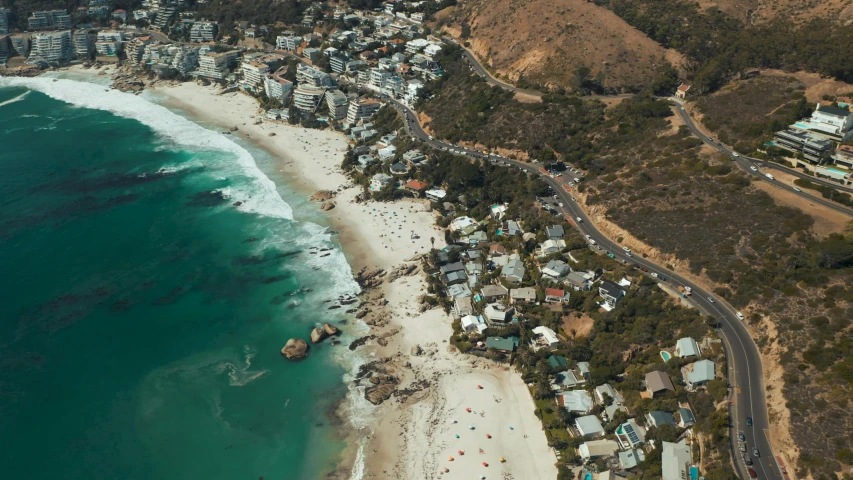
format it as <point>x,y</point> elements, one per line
<point>318,334</point>
<point>295,349</point>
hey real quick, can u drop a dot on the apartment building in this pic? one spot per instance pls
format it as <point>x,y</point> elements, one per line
<point>308,97</point>
<point>134,48</point>
<point>254,74</point>
<point>814,147</point>
<point>4,21</point>
<point>277,86</point>
<point>306,75</point>
<point>361,108</point>
<point>84,42</point>
<point>289,42</point>
<point>20,44</point>
<point>58,19</point>
<point>109,43</point>
<point>202,32</point>
<point>216,65</point>
<point>51,47</point>
<point>338,104</point>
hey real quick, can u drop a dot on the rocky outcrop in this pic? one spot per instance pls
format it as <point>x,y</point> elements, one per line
<point>318,335</point>
<point>326,206</point>
<point>323,195</point>
<point>295,349</point>
<point>403,270</point>
<point>381,392</point>
<point>330,329</point>
<point>370,277</point>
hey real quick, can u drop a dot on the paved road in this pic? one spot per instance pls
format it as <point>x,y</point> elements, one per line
<point>747,164</point>
<point>743,162</point>
<point>745,371</point>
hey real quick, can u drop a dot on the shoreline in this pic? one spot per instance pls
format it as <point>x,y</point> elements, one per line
<point>433,385</point>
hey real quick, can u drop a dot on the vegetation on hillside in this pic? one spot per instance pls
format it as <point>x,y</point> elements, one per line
<point>719,46</point>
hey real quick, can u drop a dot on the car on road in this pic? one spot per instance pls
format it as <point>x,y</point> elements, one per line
<point>560,204</point>
<point>739,315</point>
<point>748,421</point>
<point>654,274</point>
<point>611,255</point>
<point>746,459</point>
<point>756,453</point>
<point>626,249</point>
<point>661,278</point>
<point>797,190</point>
<point>711,300</point>
<point>751,472</point>
<point>629,254</point>
<point>644,269</point>
<point>753,169</point>
<point>735,154</point>
<point>579,219</point>
<point>741,437</point>
<point>742,447</point>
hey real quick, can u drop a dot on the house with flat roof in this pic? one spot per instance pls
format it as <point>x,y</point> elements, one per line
<point>589,426</point>
<point>458,290</point>
<point>699,373</point>
<point>578,281</point>
<point>493,293</point>
<point>658,382</point>
<point>462,306</point>
<point>436,194</point>
<point>496,313</point>
<point>630,435</point>
<point>472,323</point>
<point>675,460</point>
<point>522,295</point>
<point>595,449</point>
<point>629,459</point>
<point>545,337</point>
<point>686,347</point>
<point>611,293</point>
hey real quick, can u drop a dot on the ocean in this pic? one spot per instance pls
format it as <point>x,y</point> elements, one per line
<point>151,272</point>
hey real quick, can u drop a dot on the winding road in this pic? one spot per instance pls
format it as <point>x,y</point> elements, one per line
<point>744,362</point>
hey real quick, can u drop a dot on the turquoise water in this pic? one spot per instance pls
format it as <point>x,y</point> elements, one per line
<point>143,312</point>
<point>665,356</point>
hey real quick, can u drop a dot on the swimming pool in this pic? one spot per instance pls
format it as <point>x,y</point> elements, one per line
<point>665,356</point>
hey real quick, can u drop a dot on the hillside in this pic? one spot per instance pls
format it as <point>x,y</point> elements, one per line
<point>546,41</point>
<point>756,11</point>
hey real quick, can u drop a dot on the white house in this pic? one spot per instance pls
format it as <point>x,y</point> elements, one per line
<point>387,152</point>
<point>551,246</point>
<point>832,120</point>
<point>378,181</point>
<point>556,269</point>
<point>596,449</point>
<point>461,223</point>
<point>630,435</point>
<point>610,391</point>
<point>577,401</point>
<point>699,373</point>
<point>686,347</point>
<point>589,426</point>
<point>675,460</point>
<point>436,194</point>
<point>471,323</point>
<point>545,336</point>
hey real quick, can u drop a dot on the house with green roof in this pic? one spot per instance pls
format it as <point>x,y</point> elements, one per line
<point>557,361</point>
<point>503,344</point>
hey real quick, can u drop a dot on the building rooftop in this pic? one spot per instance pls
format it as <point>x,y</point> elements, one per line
<point>658,381</point>
<point>504,344</point>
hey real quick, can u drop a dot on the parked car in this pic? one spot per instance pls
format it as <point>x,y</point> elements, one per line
<point>741,447</point>
<point>711,300</point>
<point>752,473</point>
<point>739,315</point>
<point>753,169</point>
<point>654,274</point>
<point>746,459</point>
<point>748,421</point>
<point>755,453</point>
<point>741,437</point>
<point>579,219</point>
<point>735,154</point>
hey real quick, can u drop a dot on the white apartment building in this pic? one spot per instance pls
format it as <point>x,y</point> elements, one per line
<point>184,59</point>
<point>134,48</point>
<point>109,43</point>
<point>308,97</point>
<point>203,32</point>
<point>254,74</point>
<point>338,104</point>
<point>216,65</point>
<point>289,42</point>
<point>306,75</point>
<point>378,78</point>
<point>51,47</point>
<point>277,86</point>
<point>361,108</point>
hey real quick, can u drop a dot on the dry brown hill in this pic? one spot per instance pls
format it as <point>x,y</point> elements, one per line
<point>547,40</point>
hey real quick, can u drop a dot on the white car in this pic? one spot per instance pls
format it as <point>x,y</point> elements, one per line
<point>626,249</point>
<point>753,169</point>
<point>735,154</point>
<point>588,237</point>
<point>739,315</point>
<point>797,189</point>
<point>560,204</point>
<point>654,274</point>
<point>579,219</point>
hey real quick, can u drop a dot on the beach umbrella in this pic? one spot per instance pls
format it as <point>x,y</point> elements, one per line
<point>457,435</point>
<point>485,464</point>
<point>450,458</point>
<point>480,387</point>
<point>503,460</point>
<point>461,452</point>
<point>470,427</point>
<point>468,409</point>
<point>488,436</point>
<point>510,427</point>
<point>453,421</point>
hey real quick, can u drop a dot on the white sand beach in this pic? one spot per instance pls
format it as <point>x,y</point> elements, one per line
<point>413,439</point>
